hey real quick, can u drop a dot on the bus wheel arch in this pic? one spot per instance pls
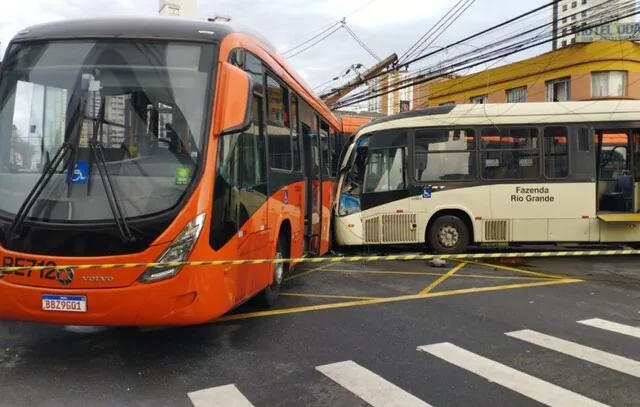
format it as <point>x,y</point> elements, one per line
<point>449,231</point>
<point>268,296</point>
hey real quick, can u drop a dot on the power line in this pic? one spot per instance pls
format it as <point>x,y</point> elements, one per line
<point>316,43</point>
<point>359,41</point>
<point>501,53</point>
<point>471,37</point>
<point>325,28</point>
<point>460,12</point>
<point>520,45</point>
<point>310,39</point>
<point>428,34</point>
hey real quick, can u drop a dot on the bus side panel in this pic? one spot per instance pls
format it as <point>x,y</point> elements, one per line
<point>540,212</point>
<point>327,199</point>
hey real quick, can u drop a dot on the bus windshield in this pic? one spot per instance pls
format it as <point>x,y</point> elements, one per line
<point>85,124</point>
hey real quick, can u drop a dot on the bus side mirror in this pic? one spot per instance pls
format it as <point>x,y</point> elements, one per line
<point>235,98</point>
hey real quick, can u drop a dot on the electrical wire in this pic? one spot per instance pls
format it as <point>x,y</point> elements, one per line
<point>359,41</point>
<point>493,55</point>
<point>316,43</point>
<point>454,17</point>
<point>311,39</point>
<point>419,42</point>
<point>325,28</point>
<point>474,36</point>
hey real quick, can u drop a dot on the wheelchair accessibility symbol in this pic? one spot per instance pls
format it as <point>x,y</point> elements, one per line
<point>80,173</point>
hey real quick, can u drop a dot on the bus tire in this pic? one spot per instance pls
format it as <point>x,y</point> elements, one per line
<point>448,234</point>
<point>267,297</point>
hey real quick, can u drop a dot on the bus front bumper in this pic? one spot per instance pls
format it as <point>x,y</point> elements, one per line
<point>186,299</point>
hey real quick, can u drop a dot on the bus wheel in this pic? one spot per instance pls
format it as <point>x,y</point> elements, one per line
<point>267,298</point>
<point>448,235</point>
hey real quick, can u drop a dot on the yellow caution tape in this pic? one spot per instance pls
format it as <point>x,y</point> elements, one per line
<point>399,257</point>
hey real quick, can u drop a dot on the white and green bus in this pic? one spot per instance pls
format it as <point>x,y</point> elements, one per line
<point>493,174</point>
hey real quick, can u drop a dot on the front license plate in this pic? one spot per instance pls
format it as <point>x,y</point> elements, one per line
<point>64,303</point>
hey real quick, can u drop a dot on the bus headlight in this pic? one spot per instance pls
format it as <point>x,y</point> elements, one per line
<point>178,251</point>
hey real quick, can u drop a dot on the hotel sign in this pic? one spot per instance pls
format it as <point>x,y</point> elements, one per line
<point>610,32</point>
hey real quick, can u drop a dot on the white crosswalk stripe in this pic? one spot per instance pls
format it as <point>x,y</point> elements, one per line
<point>513,379</point>
<point>222,396</point>
<point>615,362</point>
<point>612,326</point>
<point>378,392</point>
<point>369,386</point>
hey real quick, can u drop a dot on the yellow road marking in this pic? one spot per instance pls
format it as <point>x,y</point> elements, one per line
<point>393,299</point>
<point>443,278</point>
<point>425,273</point>
<point>304,273</point>
<point>515,269</point>
<point>348,297</point>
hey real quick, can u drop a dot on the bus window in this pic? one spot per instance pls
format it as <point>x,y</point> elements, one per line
<point>510,153</point>
<point>385,171</point>
<point>333,143</point>
<point>295,140</point>
<point>324,145</point>
<point>240,167</point>
<point>556,158</point>
<point>253,66</point>
<point>443,155</point>
<point>278,126</point>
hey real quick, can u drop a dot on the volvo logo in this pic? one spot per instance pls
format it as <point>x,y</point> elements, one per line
<point>98,279</point>
<point>65,276</point>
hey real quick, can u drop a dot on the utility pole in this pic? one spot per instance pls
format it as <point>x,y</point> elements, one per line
<point>335,95</point>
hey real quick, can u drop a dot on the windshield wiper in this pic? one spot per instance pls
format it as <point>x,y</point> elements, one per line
<point>114,201</point>
<point>34,194</point>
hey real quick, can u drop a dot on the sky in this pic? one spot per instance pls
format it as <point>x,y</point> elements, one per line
<point>385,26</point>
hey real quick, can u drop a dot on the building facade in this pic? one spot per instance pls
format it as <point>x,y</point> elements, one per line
<point>178,8</point>
<point>568,16</point>
<point>589,71</point>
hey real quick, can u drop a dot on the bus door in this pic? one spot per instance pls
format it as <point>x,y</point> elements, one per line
<point>617,158</point>
<point>313,190</point>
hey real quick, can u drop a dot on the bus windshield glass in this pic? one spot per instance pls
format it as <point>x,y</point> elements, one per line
<point>86,123</point>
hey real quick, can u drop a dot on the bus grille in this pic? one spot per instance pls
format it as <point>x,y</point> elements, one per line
<point>391,228</point>
<point>496,231</point>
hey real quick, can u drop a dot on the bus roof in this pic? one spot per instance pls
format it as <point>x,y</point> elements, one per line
<point>509,113</point>
<point>151,27</point>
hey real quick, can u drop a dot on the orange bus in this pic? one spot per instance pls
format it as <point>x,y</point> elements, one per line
<point>142,140</point>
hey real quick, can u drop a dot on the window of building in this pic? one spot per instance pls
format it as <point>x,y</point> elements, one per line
<point>583,13</point>
<point>608,83</point>
<point>565,7</point>
<point>385,171</point>
<point>559,90</point>
<point>573,40</point>
<point>564,20</point>
<point>444,155</point>
<point>574,17</point>
<point>556,153</point>
<point>278,131</point>
<point>510,153</point>
<point>574,4</point>
<point>564,43</point>
<point>517,95</point>
<point>564,31</point>
<point>584,1</point>
<point>482,99</point>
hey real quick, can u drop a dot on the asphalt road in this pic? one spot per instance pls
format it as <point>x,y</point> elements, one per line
<point>360,335</point>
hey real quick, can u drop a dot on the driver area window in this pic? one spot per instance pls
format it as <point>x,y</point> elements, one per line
<point>385,171</point>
